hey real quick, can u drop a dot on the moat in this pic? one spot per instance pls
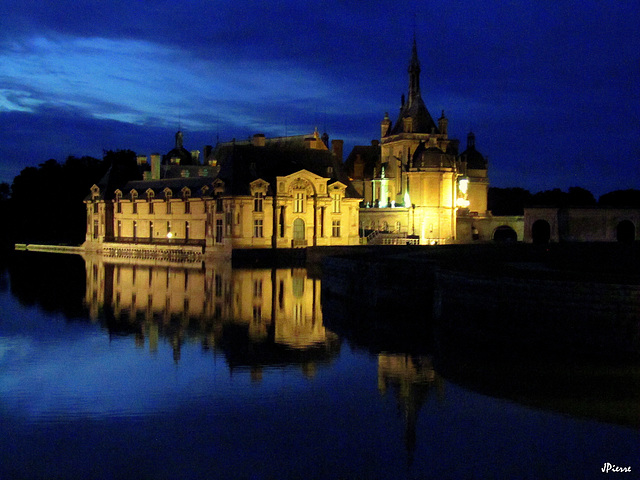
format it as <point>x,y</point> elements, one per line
<point>119,369</point>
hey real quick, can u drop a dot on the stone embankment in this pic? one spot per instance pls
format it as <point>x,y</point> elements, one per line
<point>521,299</point>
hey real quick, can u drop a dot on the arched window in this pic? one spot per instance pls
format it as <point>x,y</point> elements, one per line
<point>298,229</point>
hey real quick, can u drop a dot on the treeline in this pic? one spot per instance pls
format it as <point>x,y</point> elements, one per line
<point>512,201</point>
<point>44,204</point>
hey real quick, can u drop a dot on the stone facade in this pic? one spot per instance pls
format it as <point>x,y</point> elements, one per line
<point>580,224</point>
<point>261,196</point>
<point>415,183</point>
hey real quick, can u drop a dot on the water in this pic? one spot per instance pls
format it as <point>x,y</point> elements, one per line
<point>130,371</point>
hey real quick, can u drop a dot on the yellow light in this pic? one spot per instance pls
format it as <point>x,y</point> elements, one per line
<point>169,235</point>
<point>463,184</point>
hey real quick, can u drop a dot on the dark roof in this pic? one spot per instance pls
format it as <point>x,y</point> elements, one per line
<point>417,111</point>
<point>370,154</point>
<point>176,185</point>
<point>475,160</point>
<point>242,164</point>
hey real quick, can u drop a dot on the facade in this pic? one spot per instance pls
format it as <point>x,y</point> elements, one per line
<point>414,182</point>
<point>264,193</point>
<point>580,224</point>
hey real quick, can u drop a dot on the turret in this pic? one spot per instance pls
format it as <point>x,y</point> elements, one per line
<point>385,125</point>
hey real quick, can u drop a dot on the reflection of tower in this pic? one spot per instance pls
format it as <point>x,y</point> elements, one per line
<point>412,378</point>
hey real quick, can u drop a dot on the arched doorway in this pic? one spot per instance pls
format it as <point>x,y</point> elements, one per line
<point>298,232</point>
<point>504,234</point>
<point>540,231</point>
<point>626,231</point>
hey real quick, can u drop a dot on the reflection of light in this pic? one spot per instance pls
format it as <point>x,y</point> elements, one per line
<point>461,202</point>
<point>463,185</point>
<point>169,235</point>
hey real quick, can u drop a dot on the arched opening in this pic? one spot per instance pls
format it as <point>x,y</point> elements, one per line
<point>626,231</point>
<point>540,231</point>
<point>505,234</point>
<point>298,229</point>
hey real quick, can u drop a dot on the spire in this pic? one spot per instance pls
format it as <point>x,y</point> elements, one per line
<point>414,73</point>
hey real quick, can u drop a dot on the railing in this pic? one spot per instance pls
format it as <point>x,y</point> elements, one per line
<point>158,241</point>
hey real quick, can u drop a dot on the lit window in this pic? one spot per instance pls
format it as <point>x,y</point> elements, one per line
<point>298,206</point>
<point>335,228</point>
<point>336,203</point>
<point>257,229</point>
<point>257,201</point>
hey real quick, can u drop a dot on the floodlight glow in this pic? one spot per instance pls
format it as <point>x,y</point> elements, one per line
<point>463,185</point>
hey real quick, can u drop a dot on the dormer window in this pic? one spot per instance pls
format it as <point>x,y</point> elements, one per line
<point>335,202</point>
<point>118,200</point>
<point>167,196</point>
<point>150,197</point>
<point>134,197</point>
<point>257,201</point>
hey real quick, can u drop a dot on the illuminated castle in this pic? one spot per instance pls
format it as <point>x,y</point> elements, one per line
<point>417,187</point>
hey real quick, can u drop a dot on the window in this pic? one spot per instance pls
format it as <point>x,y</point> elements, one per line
<point>281,221</point>
<point>119,228</point>
<point>135,229</point>
<point>95,206</point>
<point>335,228</point>
<point>95,229</point>
<point>168,206</point>
<point>150,207</point>
<point>150,230</point>
<point>257,201</point>
<point>118,200</point>
<point>257,229</point>
<point>257,288</point>
<point>186,230</point>
<point>187,206</point>
<point>219,227</point>
<point>336,203</point>
<point>169,234</point>
<point>219,208</point>
<point>134,207</point>
<point>298,206</point>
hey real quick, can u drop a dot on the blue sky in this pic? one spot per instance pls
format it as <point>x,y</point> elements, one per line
<point>551,89</point>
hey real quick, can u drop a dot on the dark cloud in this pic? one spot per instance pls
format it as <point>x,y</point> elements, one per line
<point>550,89</point>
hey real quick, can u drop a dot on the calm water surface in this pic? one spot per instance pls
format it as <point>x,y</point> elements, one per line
<point>130,371</point>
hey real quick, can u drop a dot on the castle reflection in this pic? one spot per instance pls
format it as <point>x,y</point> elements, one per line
<point>257,317</point>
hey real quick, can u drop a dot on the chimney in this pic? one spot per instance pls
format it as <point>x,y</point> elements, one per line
<point>259,140</point>
<point>336,148</point>
<point>155,166</point>
<point>142,159</point>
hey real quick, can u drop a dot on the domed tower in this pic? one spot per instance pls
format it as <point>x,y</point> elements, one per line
<point>476,166</point>
<point>179,155</point>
